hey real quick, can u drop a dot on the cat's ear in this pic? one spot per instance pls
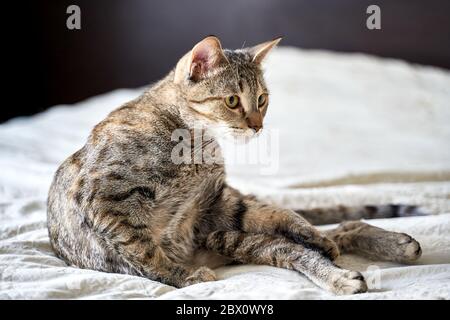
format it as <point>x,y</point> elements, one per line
<point>203,60</point>
<point>260,51</point>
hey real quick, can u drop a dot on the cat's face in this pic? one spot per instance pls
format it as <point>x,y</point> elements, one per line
<point>226,88</point>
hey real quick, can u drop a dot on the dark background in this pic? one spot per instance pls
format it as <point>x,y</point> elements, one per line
<point>130,43</point>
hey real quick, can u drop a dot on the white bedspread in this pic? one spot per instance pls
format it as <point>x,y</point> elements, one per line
<point>353,129</point>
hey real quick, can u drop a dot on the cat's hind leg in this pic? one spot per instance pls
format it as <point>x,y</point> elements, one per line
<point>279,252</point>
<point>259,217</point>
<point>132,249</point>
<point>375,243</point>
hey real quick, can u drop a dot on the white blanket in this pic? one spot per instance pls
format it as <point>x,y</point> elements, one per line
<point>353,129</point>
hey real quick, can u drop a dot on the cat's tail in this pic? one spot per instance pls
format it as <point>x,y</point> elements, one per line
<point>319,216</point>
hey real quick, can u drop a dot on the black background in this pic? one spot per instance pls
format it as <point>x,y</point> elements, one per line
<point>130,43</point>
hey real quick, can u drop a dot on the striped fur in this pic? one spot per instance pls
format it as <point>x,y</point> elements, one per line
<point>319,216</point>
<point>120,204</point>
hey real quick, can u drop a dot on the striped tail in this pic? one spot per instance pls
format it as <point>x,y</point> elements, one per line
<point>338,214</point>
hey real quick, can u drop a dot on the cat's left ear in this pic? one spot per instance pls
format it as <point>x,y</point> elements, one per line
<point>260,51</point>
<point>202,61</point>
<point>206,57</point>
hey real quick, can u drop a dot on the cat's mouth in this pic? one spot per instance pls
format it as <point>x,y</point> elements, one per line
<point>246,133</point>
<point>235,134</point>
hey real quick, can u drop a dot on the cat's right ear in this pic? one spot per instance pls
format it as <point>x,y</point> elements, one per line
<point>203,60</point>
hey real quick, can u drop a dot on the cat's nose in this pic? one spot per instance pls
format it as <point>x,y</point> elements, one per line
<point>254,121</point>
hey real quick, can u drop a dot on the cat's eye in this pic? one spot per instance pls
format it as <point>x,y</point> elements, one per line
<point>232,101</point>
<point>262,99</point>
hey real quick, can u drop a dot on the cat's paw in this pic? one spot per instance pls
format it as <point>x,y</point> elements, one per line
<point>408,249</point>
<point>202,274</point>
<point>348,282</point>
<point>329,247</point>
<point>390,246</point>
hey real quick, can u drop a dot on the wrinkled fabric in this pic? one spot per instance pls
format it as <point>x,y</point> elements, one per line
<point>353,129</point>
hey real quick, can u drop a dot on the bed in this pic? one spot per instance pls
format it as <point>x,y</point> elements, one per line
<point>353,129</point>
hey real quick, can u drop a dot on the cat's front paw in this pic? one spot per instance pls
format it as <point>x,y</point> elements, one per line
<point>348,282</point>
<point>315,239</point>
<point>330,248</point>
<point>202,274</point>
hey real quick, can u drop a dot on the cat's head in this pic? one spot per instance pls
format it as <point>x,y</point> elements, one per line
<point>226,88</point>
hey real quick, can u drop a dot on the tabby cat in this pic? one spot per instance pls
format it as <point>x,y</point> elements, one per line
<point>120,204</point>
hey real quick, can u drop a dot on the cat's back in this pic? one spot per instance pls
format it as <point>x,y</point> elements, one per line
<point>125,160</point>
<point>132,143</point>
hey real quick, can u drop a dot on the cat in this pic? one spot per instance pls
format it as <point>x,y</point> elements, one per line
<point>120,203</point>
